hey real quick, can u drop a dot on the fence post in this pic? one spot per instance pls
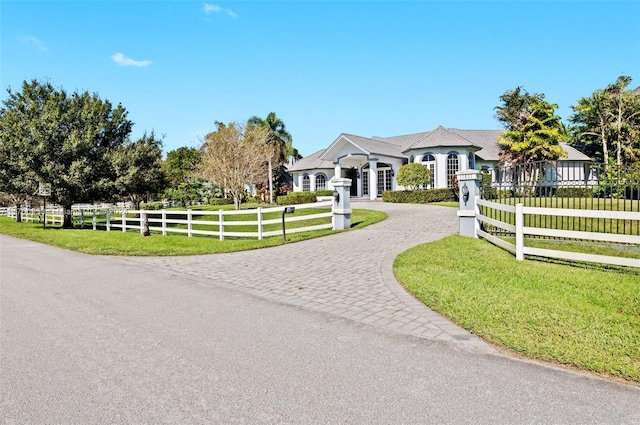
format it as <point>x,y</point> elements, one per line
<point>341,207</point>
<point>259,223</point>
<point>94,219</point>
<point>108,220</point>
<point>189,225</point>
<point>520,232</point>
<point>469,186</point>
<point>221,224</point>
<point>124,220</point>
<point>164,222</point>
<point>82,218</point>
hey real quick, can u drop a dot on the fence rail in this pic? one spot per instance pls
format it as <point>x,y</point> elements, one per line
<point>198,222</point>
<point>263,222</point>
<point>494,227</point>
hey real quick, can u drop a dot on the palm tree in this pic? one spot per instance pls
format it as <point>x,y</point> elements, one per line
<point>282,141</point>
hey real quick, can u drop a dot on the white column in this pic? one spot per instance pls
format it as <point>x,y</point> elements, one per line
<point>300,179</point>
<point>337,173</point>
<point>312,182</point>
<point>373,179</point>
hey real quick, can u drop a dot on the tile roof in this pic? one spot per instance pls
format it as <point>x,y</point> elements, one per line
<point>310,162</point>
<point>573,154</point>
<point>485,141</point>
<point>375,146</point>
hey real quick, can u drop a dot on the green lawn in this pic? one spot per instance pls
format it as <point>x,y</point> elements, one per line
<point>132,243</point>
<point>587,317</point>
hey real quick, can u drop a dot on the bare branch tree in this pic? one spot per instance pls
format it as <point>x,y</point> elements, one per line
<point>235,156</point>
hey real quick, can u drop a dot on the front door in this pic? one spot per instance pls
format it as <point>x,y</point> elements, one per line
<point>352,174</point>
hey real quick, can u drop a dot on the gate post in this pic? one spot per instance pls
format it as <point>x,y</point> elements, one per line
<point>341,203</point>
<point>469,188</point>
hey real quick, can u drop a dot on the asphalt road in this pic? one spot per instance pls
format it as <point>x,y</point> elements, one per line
<point>97,340</point>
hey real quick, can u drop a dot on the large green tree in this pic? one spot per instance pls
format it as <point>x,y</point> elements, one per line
<point>62,139</point>
<point>537,138</point>
<point>513,112</point>
<point>180,165</point>
<point>185,186</point>
<point>533,130</point>
<point>138,168</point>
<point>607,123</point>
<point>17,182</point>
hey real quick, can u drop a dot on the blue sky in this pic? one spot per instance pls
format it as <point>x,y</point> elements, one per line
<point>371,68</point>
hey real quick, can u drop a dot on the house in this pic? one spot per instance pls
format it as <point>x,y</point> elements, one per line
<point>371,163</point>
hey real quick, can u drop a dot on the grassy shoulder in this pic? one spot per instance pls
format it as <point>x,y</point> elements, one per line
<point>584,317</point>
<point>132,243</point>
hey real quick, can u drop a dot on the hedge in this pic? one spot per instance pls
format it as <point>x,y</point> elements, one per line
<point>324,192</point>
<point>419,196</point>
<point>221,201</point>
<point>293,198</point>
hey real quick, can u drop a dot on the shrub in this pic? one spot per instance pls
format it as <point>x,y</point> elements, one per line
<point>294,198</point>
<point>151,206</point>
<point>221,201</point>
<point>414,176</point>
<point>573,192</point>
<point>324,192</point>
<point>419,196</point>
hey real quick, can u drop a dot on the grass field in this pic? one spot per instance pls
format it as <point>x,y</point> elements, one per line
<point>586,317</point>
<point>132,243</point>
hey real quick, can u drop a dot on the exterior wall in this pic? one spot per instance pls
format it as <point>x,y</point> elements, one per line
<point>298,177</point>
<point>441,180</point>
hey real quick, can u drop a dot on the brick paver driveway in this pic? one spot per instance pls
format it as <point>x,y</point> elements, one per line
<point>348,274</point>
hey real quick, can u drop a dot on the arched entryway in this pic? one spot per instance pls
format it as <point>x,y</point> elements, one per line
<point>384,180</point>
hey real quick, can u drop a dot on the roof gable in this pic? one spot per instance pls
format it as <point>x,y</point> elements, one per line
<point>365,145</point>
<point>441,137</point>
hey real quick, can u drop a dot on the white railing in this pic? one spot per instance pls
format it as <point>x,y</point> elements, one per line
<point>175,221</point>
<point>163,221</point>
<point>54,215</point>
<point>520,230</point>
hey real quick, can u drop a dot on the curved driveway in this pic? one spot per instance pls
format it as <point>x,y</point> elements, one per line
<point>348,275</point>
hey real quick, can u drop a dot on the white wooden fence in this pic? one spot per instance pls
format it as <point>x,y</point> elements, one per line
<point>189,222</point>
<point>54,215</point>
<point>163,220</point>
<point>521,231</point>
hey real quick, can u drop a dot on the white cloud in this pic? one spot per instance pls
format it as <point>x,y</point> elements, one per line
<point>214,8</point>
<point>122,60</point>
<point>36,42</point>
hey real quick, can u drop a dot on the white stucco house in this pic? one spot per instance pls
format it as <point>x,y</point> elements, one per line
<point>371,163</point>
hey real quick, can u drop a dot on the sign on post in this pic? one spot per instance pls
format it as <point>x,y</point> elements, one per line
<point>44,190</point>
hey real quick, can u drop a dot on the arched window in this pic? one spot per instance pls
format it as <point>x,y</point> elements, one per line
<point>472,160</point>
<point>429,161</point>
<point>452,167</point>
<point>321,182</point>
<point>306,183</point>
